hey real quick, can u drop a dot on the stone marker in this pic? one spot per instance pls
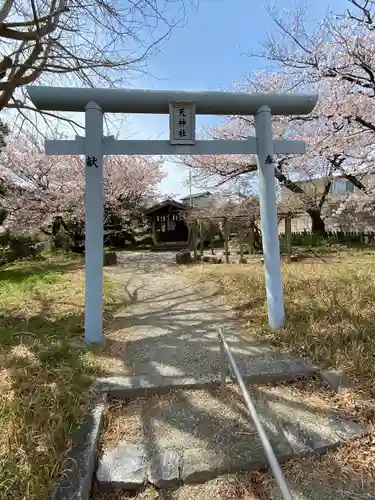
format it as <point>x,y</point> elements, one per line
<point>164,469</point>
<point>184,257</point>
<point>123,467</point>
<point>109,259</point>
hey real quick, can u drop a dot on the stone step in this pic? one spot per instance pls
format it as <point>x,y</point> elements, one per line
<point>255,372</point>
<point>191,436</point>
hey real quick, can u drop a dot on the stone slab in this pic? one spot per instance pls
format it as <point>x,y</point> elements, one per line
<point>256,371</point>
<point>264,371</point>
<point>142,385</point>
<point>305,442</point>
<point>308,428</point>
<point>298,431</point>
<point>76,480</point>
<point>337,380</point>
<point>200,465</point>
<point>164,469</point>
<point>123,467</point>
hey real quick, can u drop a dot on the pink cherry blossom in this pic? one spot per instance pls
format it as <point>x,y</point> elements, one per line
<point>39,187</point>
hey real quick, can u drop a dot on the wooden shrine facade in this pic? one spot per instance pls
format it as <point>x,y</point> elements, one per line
<point>168,224</point>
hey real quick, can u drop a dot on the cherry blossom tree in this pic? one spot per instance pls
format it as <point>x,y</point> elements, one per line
<point>45,192</point>
<point>338,55</point>
<point>334,149</point>
<point>339,48</point>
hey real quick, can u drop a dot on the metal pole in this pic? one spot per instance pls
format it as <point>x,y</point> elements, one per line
<point>268,212</point>
<point>94,233</point>
<point>191,201</point>
<point>272,460</point>
<point>223,366</point>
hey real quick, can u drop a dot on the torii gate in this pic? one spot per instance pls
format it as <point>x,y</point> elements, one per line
<point>95,102</point>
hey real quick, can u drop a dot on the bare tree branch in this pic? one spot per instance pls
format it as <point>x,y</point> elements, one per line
<point>96,43</point>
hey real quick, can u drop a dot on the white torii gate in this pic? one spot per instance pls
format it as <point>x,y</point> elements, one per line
<point>95,102</point>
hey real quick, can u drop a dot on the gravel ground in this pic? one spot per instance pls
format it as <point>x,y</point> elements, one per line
<point>168,325</point>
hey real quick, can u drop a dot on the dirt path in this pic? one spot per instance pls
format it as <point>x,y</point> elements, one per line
<point>168,325</point>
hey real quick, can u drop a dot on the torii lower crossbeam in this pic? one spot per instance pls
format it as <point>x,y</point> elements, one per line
<point>111,146</point>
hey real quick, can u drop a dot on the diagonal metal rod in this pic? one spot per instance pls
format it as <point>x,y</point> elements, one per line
<point>271,457</point>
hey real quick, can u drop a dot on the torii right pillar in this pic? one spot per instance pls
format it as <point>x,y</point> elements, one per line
<point>268,216</point>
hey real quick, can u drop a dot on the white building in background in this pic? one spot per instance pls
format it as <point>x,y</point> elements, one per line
<point>199,200</point>
<point>340,189</point>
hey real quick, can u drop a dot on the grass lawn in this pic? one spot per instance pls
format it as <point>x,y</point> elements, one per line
<point>45,370</point>
<point>330,318</point>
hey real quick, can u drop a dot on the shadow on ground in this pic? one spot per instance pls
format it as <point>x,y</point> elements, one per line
<point>176,334</point>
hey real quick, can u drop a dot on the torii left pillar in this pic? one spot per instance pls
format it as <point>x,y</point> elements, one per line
<point>94,233</point>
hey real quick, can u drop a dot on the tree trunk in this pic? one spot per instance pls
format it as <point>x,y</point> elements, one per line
<point>318,227</point>
<point>201,236</point>
<point>288,234</point>
<point>226,246</point>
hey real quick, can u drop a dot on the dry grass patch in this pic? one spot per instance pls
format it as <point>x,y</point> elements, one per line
<point>123,421</point>
<point>45,370</point>
<point>330,319</point>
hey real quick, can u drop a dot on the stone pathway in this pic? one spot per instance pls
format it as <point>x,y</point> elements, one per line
<point>169,325</point>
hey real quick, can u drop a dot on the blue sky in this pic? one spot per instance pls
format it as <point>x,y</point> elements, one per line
<point>208,54</point>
